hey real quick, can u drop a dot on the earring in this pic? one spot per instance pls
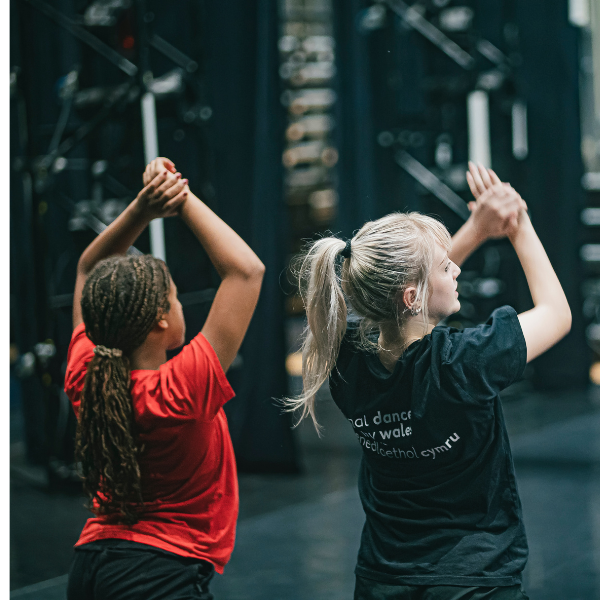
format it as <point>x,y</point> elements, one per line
<point>415,311</point>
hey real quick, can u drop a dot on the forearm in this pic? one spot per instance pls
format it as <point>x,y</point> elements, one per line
<point>464,242</point>
<point>543,283</point>
<point>228,252</point>
<point>116,238</point>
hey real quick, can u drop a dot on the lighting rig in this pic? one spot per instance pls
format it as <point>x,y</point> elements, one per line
<point>425,87</point>
<point>88,111</point>
<point>463,89</point>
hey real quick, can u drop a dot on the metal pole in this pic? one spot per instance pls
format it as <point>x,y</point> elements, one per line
<point>478,114</point>
<point>148,106</point>
<point>157,230</point>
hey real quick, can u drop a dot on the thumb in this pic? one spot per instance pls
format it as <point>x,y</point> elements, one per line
<point>168,164</point>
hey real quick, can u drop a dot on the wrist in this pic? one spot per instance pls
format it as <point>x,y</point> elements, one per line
<point>137,210</point>
<point>476,234</point>
<point>524,227</point>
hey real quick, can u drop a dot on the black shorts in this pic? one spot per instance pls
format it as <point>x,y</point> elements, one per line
<point>122,570</point>
<point>368,589</point>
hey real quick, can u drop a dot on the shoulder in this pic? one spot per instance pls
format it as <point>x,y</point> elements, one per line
<point>192,383</point>
<point>501,328</point>
<point>488,357</point>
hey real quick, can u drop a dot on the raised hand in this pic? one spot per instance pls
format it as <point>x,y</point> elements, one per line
<point>498,211</point>
<point>497,208</point>
<point>480,179</point>
<point>156,166</point>
<point>163,196</point>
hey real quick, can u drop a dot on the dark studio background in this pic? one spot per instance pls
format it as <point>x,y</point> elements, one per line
<point>291,119</point>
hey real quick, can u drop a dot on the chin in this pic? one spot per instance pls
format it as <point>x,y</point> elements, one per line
<point>455,308</point>
<point>177,344</point>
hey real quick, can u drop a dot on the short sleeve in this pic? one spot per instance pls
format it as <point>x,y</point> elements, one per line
<point>194,382</point>
<point>486,359</point>
<point>81,352</point>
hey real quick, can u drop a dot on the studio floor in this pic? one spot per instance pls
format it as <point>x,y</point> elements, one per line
<point>298,535</point>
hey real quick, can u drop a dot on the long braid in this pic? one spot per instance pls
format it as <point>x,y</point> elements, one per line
<point>121,302</point>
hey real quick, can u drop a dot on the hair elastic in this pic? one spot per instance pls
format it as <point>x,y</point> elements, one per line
<point>108,352</point>
<point>347,249</point>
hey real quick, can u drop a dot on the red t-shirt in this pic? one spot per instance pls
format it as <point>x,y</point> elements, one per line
<point>188,466</point>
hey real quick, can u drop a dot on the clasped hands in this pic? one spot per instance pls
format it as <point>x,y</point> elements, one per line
<point>498,208</point>
<point>164,191</point>
<point>495,213</point>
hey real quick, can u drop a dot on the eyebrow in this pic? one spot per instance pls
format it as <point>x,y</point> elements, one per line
<point>444,259</point>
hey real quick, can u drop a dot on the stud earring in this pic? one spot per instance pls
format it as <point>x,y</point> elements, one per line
<point>415,311</point>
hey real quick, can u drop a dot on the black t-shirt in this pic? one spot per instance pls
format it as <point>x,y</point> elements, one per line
<point>437,479</point>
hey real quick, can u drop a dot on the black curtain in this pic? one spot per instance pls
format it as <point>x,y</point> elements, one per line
<point>550,178</point>
<point>242,78</point>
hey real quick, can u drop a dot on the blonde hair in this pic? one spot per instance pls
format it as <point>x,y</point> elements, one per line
<point>387,255</point>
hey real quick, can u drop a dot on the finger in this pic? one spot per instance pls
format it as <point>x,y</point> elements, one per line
<point>472,185</point>
<point>471,206</point>
<point>147,177</point>
<point>170,181</point>
<point>156,182</point>
<point>485,177</point>
<point>477,177</point>
<point>501,189</point>
<point>174,190</point>
<point>169,164</point>
<point>156,165</point>
<point>494,178</point>
<point>173,205</point>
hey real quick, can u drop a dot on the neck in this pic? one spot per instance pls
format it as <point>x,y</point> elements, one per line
<point>148,357</point>
<point>394,340</point>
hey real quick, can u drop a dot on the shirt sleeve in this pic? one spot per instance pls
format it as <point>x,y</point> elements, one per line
<point>486,359</point>
<point>81,352</point>
<point>194,382</point>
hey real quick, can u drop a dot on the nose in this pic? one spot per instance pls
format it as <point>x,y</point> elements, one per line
<point>457,272</point>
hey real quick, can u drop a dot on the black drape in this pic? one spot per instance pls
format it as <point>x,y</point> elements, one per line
<point>242,78</point>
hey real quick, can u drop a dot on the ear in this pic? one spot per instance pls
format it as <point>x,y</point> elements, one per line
<point>162,324</point>
<point>409,296</point>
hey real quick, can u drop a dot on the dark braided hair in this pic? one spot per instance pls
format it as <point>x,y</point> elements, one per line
<point>123,298</point>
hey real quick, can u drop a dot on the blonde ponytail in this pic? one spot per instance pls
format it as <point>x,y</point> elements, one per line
<point>386,256</point>
<point>326,312</point>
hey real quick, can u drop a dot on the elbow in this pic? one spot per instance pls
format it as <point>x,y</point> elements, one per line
<point>83,266</point>
<point>563,320</point>
<point>250,272</point>
<point>568,320</point>
<point>256,270</point>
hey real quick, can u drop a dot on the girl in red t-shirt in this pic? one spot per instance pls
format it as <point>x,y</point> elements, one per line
<point>152,437</point>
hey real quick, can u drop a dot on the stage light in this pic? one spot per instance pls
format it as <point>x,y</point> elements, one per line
<point>128,42</point>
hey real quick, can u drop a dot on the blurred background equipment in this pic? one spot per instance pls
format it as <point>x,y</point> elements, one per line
<point>97,89</point>
<point>307,71</point>
<point>437,83</point>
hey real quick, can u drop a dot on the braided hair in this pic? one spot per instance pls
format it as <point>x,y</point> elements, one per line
<point>123,298</point>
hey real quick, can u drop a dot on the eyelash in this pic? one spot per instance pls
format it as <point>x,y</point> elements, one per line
<point>447,267</point>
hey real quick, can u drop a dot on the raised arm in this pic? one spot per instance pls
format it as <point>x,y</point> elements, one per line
<point>550,318</point>
<point>161,197</point>
<point>491,217</point>
<point>241,274</point>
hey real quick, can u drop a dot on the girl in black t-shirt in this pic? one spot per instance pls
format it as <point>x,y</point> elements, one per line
<point>443,516</point>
